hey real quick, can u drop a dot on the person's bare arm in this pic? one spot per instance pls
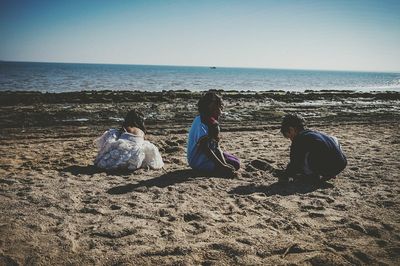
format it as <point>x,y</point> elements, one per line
<point>217,158</point>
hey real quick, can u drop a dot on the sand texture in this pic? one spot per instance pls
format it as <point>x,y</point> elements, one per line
<point>58,209</point>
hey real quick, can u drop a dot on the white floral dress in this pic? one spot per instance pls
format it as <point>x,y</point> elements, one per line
<point>126,151</point>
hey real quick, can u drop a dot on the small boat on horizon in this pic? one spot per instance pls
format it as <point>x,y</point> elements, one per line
<point>213,67</point>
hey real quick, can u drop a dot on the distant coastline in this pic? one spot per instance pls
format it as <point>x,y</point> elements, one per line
<point>211,67</point>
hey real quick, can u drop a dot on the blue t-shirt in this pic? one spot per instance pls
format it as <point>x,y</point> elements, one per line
<point>197,159</point>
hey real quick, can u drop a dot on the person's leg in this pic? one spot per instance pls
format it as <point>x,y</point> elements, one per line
<point>338,164</point>
<point>232,160</point>
<point>312,175</point>
<point>307,165</point>
<point>309,175</point>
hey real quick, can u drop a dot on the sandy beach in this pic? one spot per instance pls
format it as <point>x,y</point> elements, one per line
<point>58,209</point>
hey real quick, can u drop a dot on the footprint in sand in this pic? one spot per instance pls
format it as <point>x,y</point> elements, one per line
<point>316,215</point>
<point>363,257</point>
<point>340,207</point>
<point>167,233</point>
<point>91,211</point>
<point>24,192</point>
<point>245,241</point>
<point>314,204</point>
<point>336,246</point>
<point>228,248</point>
<point>115,207</point>
<point>169,251</point>
<point>259,164</point>
<point>90,199</point>
<point>325,197</point>
<point>188,217</point>
<point>167,214</point>
<point>369,230</point>
<point>118,233</point>
<point>198,228</point>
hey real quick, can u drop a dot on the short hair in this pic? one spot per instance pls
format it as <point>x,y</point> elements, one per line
<point>206,100</point>
<point>134,118</point>
<point>292,120</point>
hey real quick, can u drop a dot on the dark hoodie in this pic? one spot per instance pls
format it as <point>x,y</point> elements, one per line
<point>325,157</point>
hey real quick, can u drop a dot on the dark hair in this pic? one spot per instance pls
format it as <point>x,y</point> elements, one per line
<point>134,118</point>
<point>206,100</point>
<point>292,120</point>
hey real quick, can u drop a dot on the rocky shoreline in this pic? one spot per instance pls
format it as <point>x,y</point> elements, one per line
<point>106,96</point>
<point>168,108</point>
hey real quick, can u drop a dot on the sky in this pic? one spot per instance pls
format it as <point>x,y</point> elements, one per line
<point>358,35</point>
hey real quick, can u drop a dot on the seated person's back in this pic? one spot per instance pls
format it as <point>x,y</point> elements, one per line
<point>126,148</point>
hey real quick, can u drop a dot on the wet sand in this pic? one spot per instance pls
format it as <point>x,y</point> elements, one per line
<point>56,208</point>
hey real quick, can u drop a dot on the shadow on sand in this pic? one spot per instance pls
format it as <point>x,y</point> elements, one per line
<point>92,169</point>
<point>165,180</point>
<point>281,188</point>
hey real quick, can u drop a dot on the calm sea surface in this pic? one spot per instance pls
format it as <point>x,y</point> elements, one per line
<point>62,77</point>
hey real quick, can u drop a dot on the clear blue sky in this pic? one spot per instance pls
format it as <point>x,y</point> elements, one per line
<point>337,34</point>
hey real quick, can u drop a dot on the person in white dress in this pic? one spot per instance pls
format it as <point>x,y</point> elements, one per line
<point>126,148</point>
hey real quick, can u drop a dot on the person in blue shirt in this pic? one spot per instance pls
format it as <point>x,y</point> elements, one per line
<point>313,155</point>
<point>203,150</point>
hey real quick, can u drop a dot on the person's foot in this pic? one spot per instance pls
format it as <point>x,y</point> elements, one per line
<point>226,171</point>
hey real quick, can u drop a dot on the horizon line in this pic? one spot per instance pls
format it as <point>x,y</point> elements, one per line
<point>206,66</point>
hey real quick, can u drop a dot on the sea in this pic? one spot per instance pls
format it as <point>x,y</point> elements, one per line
<point>72,77</point>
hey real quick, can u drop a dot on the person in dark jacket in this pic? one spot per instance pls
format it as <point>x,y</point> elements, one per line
<point>313,155</point>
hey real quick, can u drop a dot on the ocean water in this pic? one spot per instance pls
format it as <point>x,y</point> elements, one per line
<point>65,77</point>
